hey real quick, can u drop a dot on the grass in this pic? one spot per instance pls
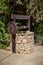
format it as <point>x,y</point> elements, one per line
<point>2,46</point>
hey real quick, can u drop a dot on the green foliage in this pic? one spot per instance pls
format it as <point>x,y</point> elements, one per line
<point>25,1</point>
<point>35,9</point>
<point>2,46</point>
<point>39,28</point>
<point>4,36</point>
<point>3,7</point>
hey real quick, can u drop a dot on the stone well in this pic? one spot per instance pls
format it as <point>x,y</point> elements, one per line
<point>25,42</point>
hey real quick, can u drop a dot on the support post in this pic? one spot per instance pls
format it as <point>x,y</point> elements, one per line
<point>28,24</point>
<point>14,43</point>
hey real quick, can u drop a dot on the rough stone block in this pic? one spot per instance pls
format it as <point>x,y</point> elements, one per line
<point>25,42</point>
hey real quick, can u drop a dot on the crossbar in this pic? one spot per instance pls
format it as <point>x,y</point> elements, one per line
<point>22,17</point>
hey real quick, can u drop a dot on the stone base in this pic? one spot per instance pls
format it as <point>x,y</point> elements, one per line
<point>24,42</point>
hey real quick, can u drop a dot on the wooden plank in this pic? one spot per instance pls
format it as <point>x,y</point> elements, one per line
<point>28,24</point>
<point>22,17</point>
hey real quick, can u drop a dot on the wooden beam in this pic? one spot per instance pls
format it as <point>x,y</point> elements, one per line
<point>14,43</point>
<point>22,17</point>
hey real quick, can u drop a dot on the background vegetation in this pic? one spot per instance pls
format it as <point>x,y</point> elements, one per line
<point>4,13</point>
<point>34,9</point>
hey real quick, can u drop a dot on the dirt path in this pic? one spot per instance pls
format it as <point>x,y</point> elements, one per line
<point>35,58</point>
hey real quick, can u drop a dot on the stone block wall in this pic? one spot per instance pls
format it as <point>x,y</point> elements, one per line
<point>25,42</point>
